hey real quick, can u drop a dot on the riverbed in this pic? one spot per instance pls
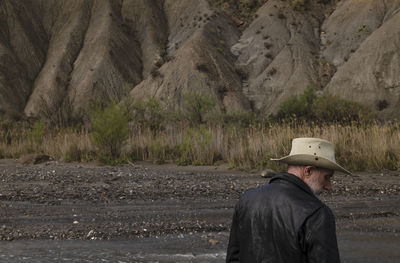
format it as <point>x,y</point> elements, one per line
<point>57,212</point>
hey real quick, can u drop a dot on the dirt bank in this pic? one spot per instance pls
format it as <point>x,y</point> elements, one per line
<point>74,201</point>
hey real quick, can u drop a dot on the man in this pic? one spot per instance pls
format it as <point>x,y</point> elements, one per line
<point>285,221</point>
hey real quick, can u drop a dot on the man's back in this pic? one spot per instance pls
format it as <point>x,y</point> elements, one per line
<point>282,222</point>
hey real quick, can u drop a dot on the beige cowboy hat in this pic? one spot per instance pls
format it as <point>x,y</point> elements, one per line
<point>312,151</point>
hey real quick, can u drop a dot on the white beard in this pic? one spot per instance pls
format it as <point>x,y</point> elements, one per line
<point>315,185</point>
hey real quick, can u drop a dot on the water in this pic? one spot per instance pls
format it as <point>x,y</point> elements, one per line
<point>354,247</point>
<point>369,247</point>
<point>178,248</point>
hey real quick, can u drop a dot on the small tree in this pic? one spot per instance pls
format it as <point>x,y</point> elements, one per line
<point>109,129</point>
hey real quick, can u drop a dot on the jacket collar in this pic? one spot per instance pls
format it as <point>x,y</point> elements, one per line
<point>294,180</point>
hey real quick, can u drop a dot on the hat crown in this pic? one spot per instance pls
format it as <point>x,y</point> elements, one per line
<point>314,147</point>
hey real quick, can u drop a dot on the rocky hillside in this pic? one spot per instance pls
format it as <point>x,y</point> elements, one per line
<point>248,54</point>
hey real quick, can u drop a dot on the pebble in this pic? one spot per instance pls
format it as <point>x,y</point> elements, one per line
<point>90,234</point>
<point>97,194</point>
<point>268,173</point>
<point>213,242</point>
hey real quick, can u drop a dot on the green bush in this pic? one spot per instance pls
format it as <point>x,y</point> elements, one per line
<point>36,133</point>
<point>73,154</point>
<point>241,119</point>
<point>331,108</point>
<point>149,114</point>
<point>196,147</point>
<point>298,107</point>
<point>158,152</point>
<point>109,129</point>
<point>327,109</point>
<point>298,5</point>
<point>185,150</point>
<point>197,106</point>
<point>7,131</point>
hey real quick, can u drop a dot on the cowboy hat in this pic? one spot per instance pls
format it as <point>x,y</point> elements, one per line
<point>312,151</point>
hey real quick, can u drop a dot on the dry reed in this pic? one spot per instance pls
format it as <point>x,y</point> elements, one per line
<point>372,147</point>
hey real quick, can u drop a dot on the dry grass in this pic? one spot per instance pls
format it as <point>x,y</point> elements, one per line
<point>372,147</point>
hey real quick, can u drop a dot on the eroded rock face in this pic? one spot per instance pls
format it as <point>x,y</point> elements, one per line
<point>82,50</point>
<point>278,51</point>
<point>371,76</point>
<point>351,24</point>
<point>23,46</point>
<point>65,39</point>
<point>198,60</point>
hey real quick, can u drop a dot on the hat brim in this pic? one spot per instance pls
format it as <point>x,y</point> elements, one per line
<point>306,159</point>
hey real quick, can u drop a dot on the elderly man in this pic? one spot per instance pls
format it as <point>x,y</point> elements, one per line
<point>285,221</point>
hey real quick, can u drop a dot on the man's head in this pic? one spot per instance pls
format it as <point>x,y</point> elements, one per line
<point>313,152</point>
<point>318,179</point>
<point>313,161</point>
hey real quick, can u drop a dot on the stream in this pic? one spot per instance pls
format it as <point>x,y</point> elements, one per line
<point>354,247</point>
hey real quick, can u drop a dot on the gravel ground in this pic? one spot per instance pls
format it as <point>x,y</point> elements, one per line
<point>55,200</point>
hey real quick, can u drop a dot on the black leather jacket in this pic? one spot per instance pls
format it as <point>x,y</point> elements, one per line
<point>282,222</point>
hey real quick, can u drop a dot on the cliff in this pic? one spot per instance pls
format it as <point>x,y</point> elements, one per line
<point>249,55</point>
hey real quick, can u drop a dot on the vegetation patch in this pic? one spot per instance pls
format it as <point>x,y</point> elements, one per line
<point>202,68</point>
<point>242,11</point>
<point>381,105</point>
<point>198,107</point>
<point>198,134</point>
<point>109,130</point>
<point>298,5</point>
<point>324,109</point>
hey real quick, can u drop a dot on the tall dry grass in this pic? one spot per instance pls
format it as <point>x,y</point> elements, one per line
<point>358,148</point>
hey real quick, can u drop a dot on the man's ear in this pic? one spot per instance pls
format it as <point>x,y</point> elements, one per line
<point>307,171</point>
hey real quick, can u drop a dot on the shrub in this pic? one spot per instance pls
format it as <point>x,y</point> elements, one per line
<point>281,16</point>
<point>268,55</point>
<point>185,149</point>
<point>267,45</point>
<point>197,106</point>
<point>298,5</point>
<point>253,4</point>
<point>240,119</point>
<point>59,111</point>
<point>332,108</point>
<point>163,51</point>
<point>158,151</point>
<point>109,129</point>
<point>6,131</point>
<point>149,114</point>
<point>243,74</point>
<point>272,72</point>
<point>327,108</point>
<point>381,105</point>
<point>202,68</point>
<point>220,50</point>
<point>196,147</point>
<point>298,107</point>
<point>73,154</point>
<point>155,73</point>
<point>36,133</point>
